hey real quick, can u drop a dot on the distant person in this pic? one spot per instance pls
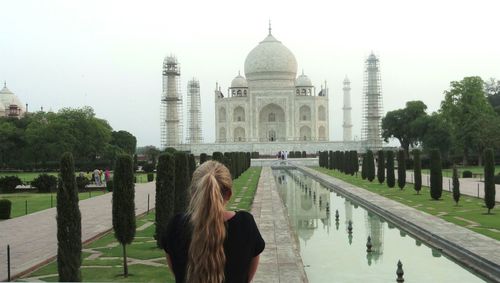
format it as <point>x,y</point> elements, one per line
<point>286,154</point>
<point>210,243</point>
<point>97,179</point>
<point>107,175</point>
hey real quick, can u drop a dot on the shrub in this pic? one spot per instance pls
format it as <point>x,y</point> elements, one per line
<point>69,224</point>
<point>255,154</point>
<point>364,168</point>
<point>45,183</point>
<point>330,160</point>
<point>82,182</point>
<point>8,184</point>
<point>380,166</point>
<point>497,179</point>
<point>109,185</point>
<point>304,154</point>
<point>401,169</point>
<point>191,166</point>
<point>217,156</point>
<point>5,208</point>
<point>489,182</point>
<point>436,174</point>
<point>148,167</point>
<point>151,177</point>
<point>467,174</point>
<point>391,180</point>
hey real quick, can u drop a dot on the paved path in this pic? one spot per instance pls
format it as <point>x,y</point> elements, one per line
<point>472,249</point>
<point>33,238</point>
<point>468,186</point>
<point>280,261</point>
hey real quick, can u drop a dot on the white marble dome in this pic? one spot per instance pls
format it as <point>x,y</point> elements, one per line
<point>8,98</point>
<point>270,60</point>
<point>303,81</point>
<point>239,81</point>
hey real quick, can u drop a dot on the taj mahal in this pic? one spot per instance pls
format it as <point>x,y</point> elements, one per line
<point>269,109</point>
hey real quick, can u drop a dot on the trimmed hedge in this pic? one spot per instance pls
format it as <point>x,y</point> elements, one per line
<point>5,208</point>
<point>151,177</point>
<point>45,183</point>
<point>467,174</point>
<point>8,184</point>
<point>81,182</point>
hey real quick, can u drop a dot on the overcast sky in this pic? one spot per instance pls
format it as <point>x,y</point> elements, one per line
<point>108,54</point>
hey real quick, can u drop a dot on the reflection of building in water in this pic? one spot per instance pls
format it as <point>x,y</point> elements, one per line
<point>375,229</point>
<point>302,201</point>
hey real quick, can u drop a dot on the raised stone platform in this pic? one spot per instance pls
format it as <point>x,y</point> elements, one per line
<point>280,261</point>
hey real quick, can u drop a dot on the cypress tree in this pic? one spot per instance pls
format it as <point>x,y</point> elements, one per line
<point>355,161</point>
<point>391,180</point>
<point>249,160</point>
<point>181,182</point>
<point>370,169</point>
<point>436,174</point>
<point>192,166</point>
<point>69,224</point>
<point>123,204</point>
<point>363,167</point>
<point>217,156</point>
<point>165,195</point>
<point>401,169</point>
<point>489,179</point>
<point>203,158</point>
<point>456,185</point>
<point>380,166</point>
<point>330,160</point>
<point>417,170</point>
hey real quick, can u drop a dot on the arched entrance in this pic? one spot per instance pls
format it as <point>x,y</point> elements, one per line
<point>272,126</point>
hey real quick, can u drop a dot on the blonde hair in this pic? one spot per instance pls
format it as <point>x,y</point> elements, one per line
<point>206,259</point>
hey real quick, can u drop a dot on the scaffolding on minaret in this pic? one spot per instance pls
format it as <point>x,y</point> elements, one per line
<point>347,124</point>
<point>372,105</point>
<point>171,104</point>
<point>194,135</point>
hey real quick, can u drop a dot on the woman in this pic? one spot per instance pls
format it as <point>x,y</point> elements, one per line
<point>209,243</point>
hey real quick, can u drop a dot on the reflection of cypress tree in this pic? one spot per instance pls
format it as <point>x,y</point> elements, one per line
<point>417,169</point>
<point>401,169</point>
<point>391,180</point>
<point>380,166</point>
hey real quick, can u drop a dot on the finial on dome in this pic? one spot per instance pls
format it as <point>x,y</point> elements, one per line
<point>270,26</point>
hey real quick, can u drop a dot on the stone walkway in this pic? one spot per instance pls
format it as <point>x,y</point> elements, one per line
<point>467,247</point>
<point>33,238</point>
<point>280,261</point>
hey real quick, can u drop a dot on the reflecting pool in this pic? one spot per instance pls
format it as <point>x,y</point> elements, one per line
<point>331,254</point>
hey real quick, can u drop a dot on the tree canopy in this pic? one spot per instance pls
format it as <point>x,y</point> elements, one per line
<point>39,138</point>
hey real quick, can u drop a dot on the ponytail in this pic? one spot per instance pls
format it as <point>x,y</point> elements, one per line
<point>206,258</point>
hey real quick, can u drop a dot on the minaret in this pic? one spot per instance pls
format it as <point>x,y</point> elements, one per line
<point>372,104</point>
<point>347,125</point>
<point>194,113</point>
<point>171,104</point>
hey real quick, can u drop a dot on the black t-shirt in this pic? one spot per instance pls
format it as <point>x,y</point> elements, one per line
<point>243,242</point>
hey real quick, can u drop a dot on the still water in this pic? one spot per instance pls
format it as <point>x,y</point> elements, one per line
<point>331,254</point>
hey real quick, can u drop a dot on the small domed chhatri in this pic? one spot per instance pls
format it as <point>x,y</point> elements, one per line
<point>239,81</point>
<point>10,105</point>
<point>303,80</point>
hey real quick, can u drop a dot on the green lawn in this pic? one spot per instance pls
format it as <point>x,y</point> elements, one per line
<point>107,267</point>
<point>37,201</point>
<point>473,169</point>
<point>470,213</point>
